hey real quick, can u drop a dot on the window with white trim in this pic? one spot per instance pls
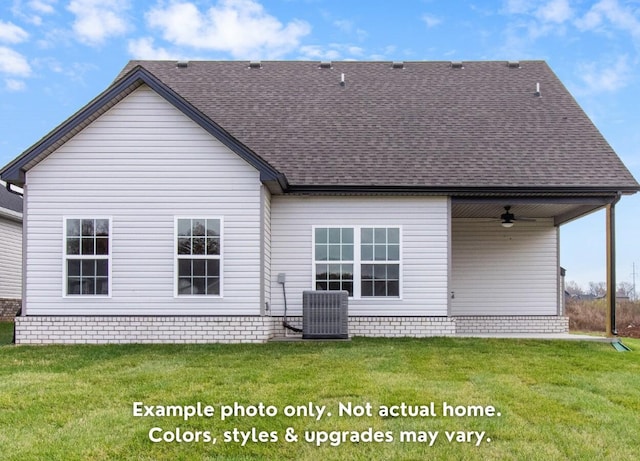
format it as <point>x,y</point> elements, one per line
<point>334,259</point>
<point>198,256</point>
<point>87,257</point>
<point>380,255</point>
<point>365,261</point>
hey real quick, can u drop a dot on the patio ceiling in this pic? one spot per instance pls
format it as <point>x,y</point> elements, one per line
<point>562,210</point>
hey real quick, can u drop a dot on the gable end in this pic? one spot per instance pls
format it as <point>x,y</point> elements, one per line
<point>14,173</point>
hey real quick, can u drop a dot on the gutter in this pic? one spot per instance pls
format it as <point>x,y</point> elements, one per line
<point>466,191</point>
<point>11,215</point>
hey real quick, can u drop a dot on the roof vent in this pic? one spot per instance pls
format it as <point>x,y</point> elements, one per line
<point>255,65</point>
<point>538,93</point>
<point>182,64</point>
<point>325,65</point>
<point>513,64</point>
<point>457,65</point>
<point>397,65</point>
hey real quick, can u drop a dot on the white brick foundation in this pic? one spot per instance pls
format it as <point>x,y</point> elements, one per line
<point>255,329</point>
<point>512,324</point>
<point>389,327</point>
<point>103,330</point>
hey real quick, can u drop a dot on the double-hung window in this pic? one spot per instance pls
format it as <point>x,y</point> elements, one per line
<point>334,258</point>
<point>198,256</point>
<point>363,260</point>
<point>380,256</point>
<point>87,253</point>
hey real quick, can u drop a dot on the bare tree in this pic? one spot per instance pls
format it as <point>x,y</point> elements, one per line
<point>574,290</point>
<point>598,289</point>
<point>625,289</point>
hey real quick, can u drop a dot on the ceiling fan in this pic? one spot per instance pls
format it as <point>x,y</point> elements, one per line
<point>508,219</point>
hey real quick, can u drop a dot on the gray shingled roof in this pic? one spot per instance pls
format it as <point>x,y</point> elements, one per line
<point>425,125</point>
<point>10,201</point>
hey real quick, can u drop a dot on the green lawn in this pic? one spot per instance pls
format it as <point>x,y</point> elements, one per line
<point>556,400</point>
<point>6,333</point>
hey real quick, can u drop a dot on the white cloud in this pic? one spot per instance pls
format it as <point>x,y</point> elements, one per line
<point>621,17</point>
<point>14,85</point>
<point>557,11</point>
<point>48,63</point>
<point>43,6</point>
<point>10,33</point>
<point>603,78</point>
<point>34,9</point>
<point>348,27</point>
<point>13,63</point>
<point>343,25</point>
<point>97,20</point>
<point>331,52</point>
<point>239,27</point>
<point>320,53</point>
<point>143,48</point>
<point>430,20</point>
<point>517,6</point>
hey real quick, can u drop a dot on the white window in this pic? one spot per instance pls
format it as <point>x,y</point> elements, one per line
<point>380,256</point>
<point>87,250</point>
<point>198,256</point>
<point>334,259</point>
<point>365,261</point>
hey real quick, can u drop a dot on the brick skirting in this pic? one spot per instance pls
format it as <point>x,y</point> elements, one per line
<point>256,329</point>
<point>9,308</point>
<point>141,330</point>
<point>512,324</point>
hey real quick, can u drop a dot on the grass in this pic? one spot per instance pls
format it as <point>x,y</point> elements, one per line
<point>6,333</point>
<point>557,400</point>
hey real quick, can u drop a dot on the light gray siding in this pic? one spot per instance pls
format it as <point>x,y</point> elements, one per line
<point>10,256</point>
<point>424,223</point>
<point>498,271</point>
<point>142,164</point>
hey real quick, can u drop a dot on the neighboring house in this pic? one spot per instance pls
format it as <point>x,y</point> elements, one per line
<point>168,207</point>
<point>10,252</point>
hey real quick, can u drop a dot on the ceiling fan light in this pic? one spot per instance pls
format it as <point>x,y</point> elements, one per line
<point>507,217</point>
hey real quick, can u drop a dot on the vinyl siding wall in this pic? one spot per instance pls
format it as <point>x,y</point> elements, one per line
<point>142,164</point>
<point>424,222</point>
<point>498,271</point>
<point>10,258</point>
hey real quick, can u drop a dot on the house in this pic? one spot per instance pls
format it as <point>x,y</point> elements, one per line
<point>10,252</point>
<point>170,207</point>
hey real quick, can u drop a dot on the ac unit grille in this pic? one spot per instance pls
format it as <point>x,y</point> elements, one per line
<point>325,315</point>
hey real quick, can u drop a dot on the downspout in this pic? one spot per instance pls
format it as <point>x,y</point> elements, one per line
<point>611,329</point>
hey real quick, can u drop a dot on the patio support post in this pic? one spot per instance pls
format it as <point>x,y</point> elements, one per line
<point>611,329</point>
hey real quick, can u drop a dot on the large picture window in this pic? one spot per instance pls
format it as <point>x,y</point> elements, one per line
<point>87,254</point>
<point>365,261</point>
<point>198,256</point>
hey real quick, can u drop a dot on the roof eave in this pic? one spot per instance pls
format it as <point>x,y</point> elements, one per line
<point>15,172</point>
<point>467,191</point>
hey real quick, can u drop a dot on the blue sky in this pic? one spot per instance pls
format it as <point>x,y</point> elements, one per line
<point>56,55</point>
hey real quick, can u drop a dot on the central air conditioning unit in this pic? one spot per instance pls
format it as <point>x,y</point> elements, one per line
<point>325,315</point>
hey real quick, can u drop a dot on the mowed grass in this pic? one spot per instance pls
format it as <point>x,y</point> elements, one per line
<point>557,400</point>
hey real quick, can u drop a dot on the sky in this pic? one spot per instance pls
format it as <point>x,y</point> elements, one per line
<point>56,55</point>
